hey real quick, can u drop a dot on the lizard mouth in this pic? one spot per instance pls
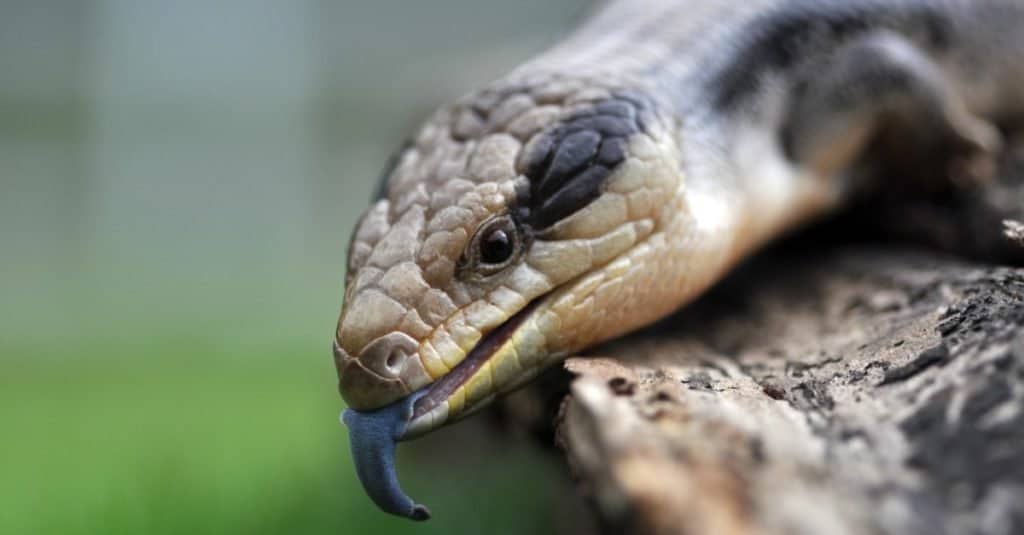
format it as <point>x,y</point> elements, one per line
<point>443,388</point>
<point>373,434</point>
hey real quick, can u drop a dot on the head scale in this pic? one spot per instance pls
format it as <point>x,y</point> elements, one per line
<point>510,214</point>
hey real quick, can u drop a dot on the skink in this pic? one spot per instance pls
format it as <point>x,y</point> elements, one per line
<point>611,180</point>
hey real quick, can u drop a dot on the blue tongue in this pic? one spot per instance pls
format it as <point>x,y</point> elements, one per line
<point>373,436</point>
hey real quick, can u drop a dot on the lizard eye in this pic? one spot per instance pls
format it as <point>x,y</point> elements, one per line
<point>495,245</point>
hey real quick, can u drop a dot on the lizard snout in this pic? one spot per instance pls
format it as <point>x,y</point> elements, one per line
<point>376,377</point>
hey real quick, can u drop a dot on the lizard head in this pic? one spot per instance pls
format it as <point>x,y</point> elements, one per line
<point>511,232</point>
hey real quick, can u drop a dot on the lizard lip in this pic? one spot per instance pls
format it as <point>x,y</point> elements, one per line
<point>444,387</point>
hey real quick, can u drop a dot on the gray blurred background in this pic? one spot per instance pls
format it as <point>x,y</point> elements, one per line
<point>179,180</point>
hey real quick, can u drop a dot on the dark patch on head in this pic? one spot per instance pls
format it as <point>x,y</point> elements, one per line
<point>789,36</point>
<point>381,191</point>
<point>568,165</point>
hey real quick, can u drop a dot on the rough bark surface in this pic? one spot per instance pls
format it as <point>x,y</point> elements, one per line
<point>866,392</point>
<point>820,390</point>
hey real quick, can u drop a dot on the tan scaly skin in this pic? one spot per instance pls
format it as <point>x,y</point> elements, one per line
<point>613,179</point>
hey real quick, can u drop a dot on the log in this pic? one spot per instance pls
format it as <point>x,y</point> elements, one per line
<point>871,391</point>
<point>830,386</point>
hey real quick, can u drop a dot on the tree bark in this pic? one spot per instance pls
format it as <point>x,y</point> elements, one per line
<point>865,392</point>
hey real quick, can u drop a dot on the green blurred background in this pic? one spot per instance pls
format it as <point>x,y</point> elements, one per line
<point>179,180</point>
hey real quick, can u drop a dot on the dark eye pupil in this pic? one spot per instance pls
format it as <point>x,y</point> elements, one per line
<point>496,248</point>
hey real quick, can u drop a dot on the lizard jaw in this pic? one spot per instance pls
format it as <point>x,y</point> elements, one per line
<point>433,406</point>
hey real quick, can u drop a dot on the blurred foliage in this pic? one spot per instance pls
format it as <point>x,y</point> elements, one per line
<point>178,183</point>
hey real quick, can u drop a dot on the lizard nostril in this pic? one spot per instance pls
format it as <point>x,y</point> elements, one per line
<point>395,360</point>
<point>388,355</point>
